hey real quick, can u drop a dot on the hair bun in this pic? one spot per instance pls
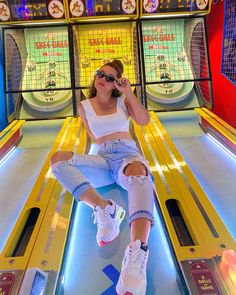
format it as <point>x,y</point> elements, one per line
<point>118,64</point>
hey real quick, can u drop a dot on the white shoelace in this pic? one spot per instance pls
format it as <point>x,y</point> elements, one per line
<point>101,218</point>
<point>135,262</point>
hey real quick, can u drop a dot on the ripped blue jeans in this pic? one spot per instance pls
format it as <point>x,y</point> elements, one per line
<point>83,172</point>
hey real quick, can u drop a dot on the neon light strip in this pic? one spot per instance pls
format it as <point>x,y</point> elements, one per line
<point>7,154</point>
<point>221,146</point>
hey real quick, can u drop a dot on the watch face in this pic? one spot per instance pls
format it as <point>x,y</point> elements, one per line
<point>76,8</point>
<point>128,6</point>
<point>150,5</point>
<point>56,9</point>
<point>4,12</point>
<point>201,4</point>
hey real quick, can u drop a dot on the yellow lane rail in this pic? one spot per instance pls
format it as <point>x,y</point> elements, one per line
<point>8,128</point>
<point>214,232</point>
<point>198,236</point>
<point>166,189</point>
<point>18,248</point>
<point>10,136</point>
<point>207,236</point>
<point>214,125</point>
<point>204,112</point>
<point>50,244</point>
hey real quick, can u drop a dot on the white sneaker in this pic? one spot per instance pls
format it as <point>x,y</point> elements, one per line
<point>132,280</point>
<point>108,222</point>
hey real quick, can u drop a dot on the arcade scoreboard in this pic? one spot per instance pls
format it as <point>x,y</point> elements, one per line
<point>158,8</point>
<point>31,11</point>
<point>79,10</point>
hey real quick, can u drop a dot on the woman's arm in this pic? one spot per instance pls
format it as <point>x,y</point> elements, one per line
<point>135,109</point>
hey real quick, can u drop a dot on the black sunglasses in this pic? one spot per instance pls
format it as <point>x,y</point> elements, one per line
<point>109,78</point>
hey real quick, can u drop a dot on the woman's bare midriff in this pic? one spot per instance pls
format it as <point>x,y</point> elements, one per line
<point>113,136</point>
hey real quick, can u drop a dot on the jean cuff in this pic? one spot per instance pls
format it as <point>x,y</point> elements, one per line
<point>142,214</point>
<point>80,189</point>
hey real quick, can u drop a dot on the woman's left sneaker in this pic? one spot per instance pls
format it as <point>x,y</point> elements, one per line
<point>108,222</point>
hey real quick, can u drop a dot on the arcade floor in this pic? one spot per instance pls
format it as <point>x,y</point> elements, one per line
<point>90,270</point>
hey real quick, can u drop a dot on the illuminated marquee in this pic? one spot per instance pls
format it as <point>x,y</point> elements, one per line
<point>28,10</point>
<point>82,8</point>
<point>168,6</point>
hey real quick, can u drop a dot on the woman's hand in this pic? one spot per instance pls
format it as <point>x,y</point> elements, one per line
<point>123,85</point>
<point>135,109</point>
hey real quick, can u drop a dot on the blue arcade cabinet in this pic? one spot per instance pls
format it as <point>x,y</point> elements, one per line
<point>3,119</point>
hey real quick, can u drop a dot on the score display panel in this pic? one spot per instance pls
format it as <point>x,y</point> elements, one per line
<point>79,9</point>
<point>31,10</point>
<point>155,7</point>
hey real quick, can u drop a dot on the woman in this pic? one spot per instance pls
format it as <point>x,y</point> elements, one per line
<point>106,117</point>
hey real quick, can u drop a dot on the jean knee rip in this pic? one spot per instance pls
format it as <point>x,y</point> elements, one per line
<point>129,161</point>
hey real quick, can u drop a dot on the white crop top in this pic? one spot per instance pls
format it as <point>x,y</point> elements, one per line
<point>102,125</point>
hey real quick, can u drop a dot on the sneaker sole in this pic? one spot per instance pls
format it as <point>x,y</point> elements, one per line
<point>121,215</point>
<point>103,243</point>
<point>121,291</point>
<point>126,293</point>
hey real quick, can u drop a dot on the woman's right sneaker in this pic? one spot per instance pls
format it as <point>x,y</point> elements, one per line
<point>132,280</point>
<point>108,222</point>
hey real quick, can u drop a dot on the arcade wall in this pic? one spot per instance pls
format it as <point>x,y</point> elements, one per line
<point>224,91</point>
